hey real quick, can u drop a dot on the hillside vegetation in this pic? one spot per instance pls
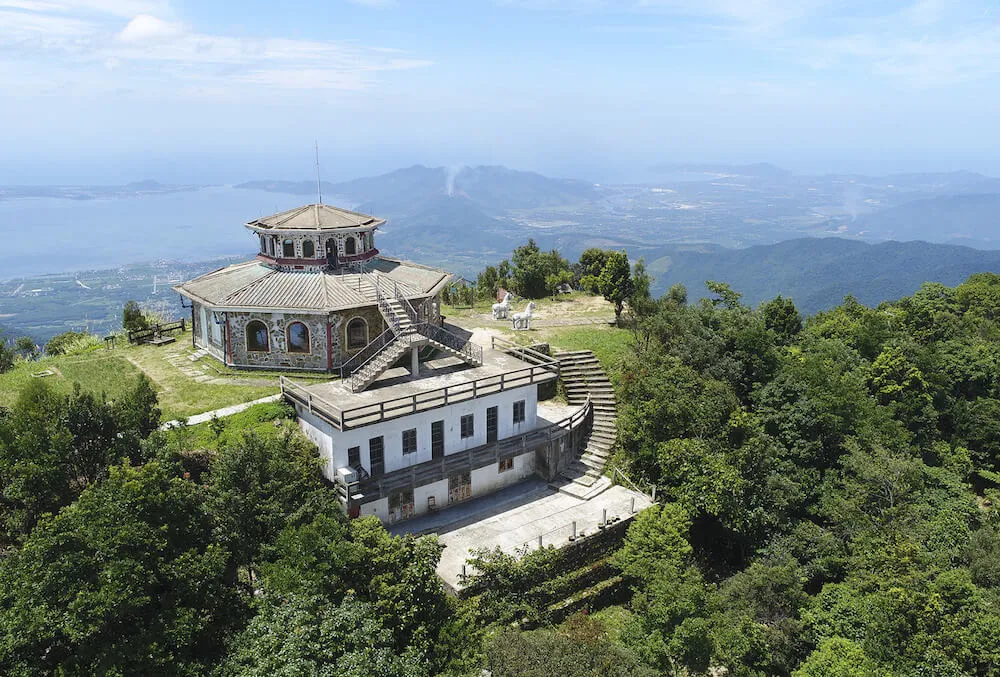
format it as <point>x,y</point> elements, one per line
<point>827,491</point>
<point>817,273</point>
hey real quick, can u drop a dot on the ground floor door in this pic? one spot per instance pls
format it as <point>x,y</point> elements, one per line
<point>459,487</point>
<point>400,505</point>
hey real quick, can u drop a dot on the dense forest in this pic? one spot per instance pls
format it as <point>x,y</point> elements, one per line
<point>827,490</point>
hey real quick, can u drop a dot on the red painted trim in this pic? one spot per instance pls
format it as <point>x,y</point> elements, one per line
<point>228,352</point>
<point>329,347</point>
<point>360,257</point>
<point>319,261</point>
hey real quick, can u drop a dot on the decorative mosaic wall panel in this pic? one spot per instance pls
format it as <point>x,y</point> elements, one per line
<point>278,356</point>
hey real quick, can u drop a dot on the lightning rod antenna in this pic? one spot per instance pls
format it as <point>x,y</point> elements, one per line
<point>319,184</point>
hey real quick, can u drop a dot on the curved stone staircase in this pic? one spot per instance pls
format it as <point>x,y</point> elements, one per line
<point>582,375</point>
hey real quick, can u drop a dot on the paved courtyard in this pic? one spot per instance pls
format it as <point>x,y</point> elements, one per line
<point>515,518</point>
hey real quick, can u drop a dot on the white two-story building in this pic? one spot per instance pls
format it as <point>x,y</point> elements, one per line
<point>417,442</point>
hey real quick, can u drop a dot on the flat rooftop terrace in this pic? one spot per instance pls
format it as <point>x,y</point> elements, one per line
<point>514,518</point>
<point>398,392</point>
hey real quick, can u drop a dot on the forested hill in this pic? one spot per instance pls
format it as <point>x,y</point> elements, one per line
<point>818,272</point>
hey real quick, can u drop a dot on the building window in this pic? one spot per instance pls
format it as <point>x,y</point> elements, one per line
<point>519,412</point>
<point>506,464</point>
<point>288,249</point>
<point>298,338</point>
<point>410,441</point>
<point>357,334</point>
<point>308,249</point>
<point>270,246</point>
<point>354,457</point>
<point>257,337</point>
<point>376,455</point>
<point>350,246</point>
<point>468,426</point>
<point>263,244</point>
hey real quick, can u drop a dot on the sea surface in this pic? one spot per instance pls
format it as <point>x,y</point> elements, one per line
<point>47,235</point>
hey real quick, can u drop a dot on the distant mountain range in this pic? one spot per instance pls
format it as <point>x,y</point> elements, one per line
<point>973,217</point>
<point>818,272</point>
<point>416,189</point>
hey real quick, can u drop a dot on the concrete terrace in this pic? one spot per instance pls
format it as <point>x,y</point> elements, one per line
<point>514,518</point>
<point>398,382</point>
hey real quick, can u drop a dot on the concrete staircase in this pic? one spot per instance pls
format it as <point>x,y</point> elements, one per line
<point>376,366</point>
<point>582,375</point>
<point>399,316</point>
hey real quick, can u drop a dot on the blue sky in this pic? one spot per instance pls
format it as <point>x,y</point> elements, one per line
<point>116,90</point>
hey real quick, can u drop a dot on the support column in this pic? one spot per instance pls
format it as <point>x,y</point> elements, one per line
<point>415,360</point>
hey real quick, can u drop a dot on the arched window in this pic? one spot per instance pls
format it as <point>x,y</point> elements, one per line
<point>298,338</point>
<point>308,249</point>
<point>257,337</point>
<point>263,244</point>
<point>350,246</point>
<point>288,249</point>
<point>357,333</point>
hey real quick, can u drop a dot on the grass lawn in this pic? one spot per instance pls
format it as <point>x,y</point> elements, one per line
<point>182,396</point>
<point>609,344</point>
<point>98,371</point>
<point>114,371</point>
<point>264,420</point>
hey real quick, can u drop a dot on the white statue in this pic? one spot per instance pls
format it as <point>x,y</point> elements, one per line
<point>523,320</point>
<point>501,309</point>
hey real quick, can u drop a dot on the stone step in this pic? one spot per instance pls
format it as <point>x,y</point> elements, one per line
<point>582,368</point>
<point>592,463</point>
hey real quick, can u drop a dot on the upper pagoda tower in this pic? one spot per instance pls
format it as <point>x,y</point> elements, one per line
<point>316,237</point>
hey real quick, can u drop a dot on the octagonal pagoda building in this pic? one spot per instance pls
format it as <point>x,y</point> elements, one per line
<point>316,297</point>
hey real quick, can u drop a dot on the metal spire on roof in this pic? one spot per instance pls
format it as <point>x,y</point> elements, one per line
<point>319,185</point>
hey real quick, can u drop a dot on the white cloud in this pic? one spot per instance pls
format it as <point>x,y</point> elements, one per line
<point>154,51</point>
<point>145,29</point>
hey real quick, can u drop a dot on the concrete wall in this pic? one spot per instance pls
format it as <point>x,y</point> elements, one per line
<point>392,431</point>
<point>484,480</point>
<point>439,490</point>
<point>489,478</point>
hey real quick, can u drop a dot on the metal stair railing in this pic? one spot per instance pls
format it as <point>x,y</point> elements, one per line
<point>385,308</point>
<point>355,378</point>
<point>405,304</point>
<point>468,349</point>
<point>360,358</point>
